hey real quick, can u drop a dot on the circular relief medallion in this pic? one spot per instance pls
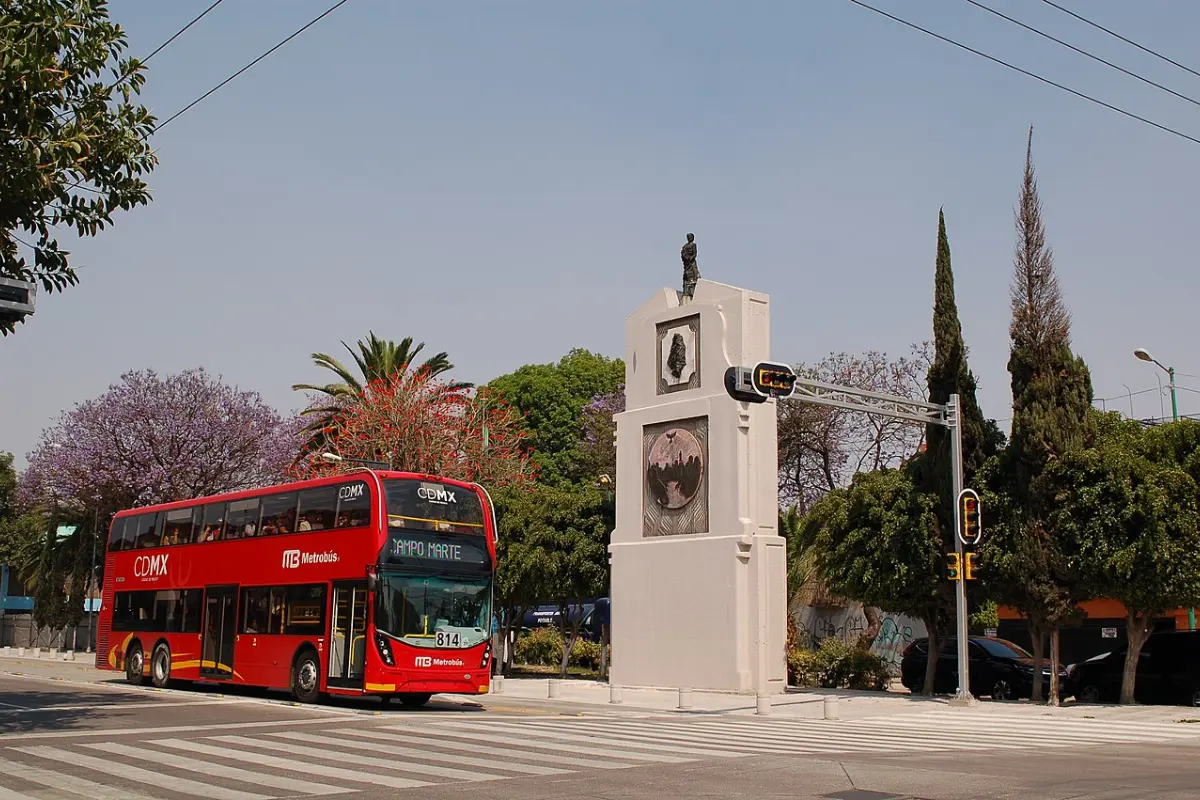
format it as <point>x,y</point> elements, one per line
<point>675,467</point>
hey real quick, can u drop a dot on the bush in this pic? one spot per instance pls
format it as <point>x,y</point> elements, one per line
<point>540,647</point>
<point>543,647</point>
<point>837,665</point>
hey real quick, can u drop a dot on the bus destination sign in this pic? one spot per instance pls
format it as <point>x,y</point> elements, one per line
<point>412,548</point>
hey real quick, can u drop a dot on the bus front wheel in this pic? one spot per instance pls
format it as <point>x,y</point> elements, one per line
<point>414,700</point>
<point>306,677</point>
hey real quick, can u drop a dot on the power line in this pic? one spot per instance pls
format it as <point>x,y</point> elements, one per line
<point>211,91</point>
<point>1026,72</point>
<point>1144,49</point>
<point>1043,34</point>
<point>180,32</point>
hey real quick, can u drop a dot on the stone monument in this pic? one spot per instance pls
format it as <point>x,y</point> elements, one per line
<point>698,567</point>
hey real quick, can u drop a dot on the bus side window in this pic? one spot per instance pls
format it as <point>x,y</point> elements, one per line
<point>278,513</point>
<point>317,508</point>
<point>178,527</point>
<point>116,538</point>
<point>354,505</point>
<point>148,529</point>
<point>214,520</point>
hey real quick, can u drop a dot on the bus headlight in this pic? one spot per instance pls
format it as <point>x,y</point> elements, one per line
<point>487,657</point>
<point>385,649</point>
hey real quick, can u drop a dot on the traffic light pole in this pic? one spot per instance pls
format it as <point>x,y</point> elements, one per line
<point>953,419</point>
<point>778,380</point>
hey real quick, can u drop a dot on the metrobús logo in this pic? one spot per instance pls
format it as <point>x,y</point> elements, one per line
<point>151,567</point>
<point>430,661</point>
<point>292,559</point>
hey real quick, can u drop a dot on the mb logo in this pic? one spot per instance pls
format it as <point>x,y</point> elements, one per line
<point>423,661</point>
<point>291,559</point>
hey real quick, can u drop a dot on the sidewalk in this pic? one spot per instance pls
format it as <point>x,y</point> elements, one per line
<point>811,703</point>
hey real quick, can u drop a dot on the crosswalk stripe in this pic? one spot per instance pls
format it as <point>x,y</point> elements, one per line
<point>525,731</point>
<point>357,760</point>
<point>482,749</point>
<point>220,770</point>
<point>835,738</point>
<point>503,738</point>
<point>303,767</point>
<point>13,794</point>
<point>166,781</point>
<point>64,783</point>
<point>1030,728</point>
<point>902,736</point>
<point>428,755</point>
<point>680,735</point>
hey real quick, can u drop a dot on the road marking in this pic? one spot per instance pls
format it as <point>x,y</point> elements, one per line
<point>171,729</point>
<point>13,794</point>
<point>435,740</point>
<point>171,783</point>
<point>427,755</point>
<point>357,760</point>
<point>561,735</point>
<point>220,770</point>
<point>65,783</point>
<point>303,767</point>
<point>572,748</point>
<point>17,707</point>
<point>101,706</point>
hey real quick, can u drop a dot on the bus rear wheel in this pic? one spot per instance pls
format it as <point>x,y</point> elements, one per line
<point>414,699</point>
<point>306,677</point>
<point>160,667</point>
<point>135,663</point>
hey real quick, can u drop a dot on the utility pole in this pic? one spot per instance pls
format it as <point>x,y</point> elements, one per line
<point>91,581</point>
<point>954,420</point>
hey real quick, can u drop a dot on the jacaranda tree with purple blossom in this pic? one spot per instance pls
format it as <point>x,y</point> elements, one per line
<point>150,439</point>
<point>598,450</point>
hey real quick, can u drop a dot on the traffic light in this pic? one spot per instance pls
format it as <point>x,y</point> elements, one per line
<point>954,566</point>
<point>969,523</point>
<point>17,299</point>
<point>773,379</point>
<point>970,566</point>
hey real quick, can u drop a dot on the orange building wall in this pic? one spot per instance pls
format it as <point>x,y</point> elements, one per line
<point>1106,609</point>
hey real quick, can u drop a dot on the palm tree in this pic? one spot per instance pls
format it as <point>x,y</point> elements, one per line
<point>376,359</point>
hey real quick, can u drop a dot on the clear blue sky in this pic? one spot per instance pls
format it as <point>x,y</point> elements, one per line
<point>508,181</point>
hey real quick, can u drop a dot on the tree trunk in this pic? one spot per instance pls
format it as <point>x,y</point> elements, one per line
<point>1038,635</point>
<point>935,645</point>
<point>1137,631</point>
<point>874,626</point>
<point>1054,698</point>
<point>568,646</point>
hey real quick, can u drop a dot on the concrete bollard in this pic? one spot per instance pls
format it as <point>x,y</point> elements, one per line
<point>7,651</point>
<point>614,694</point>
<point>498,684</point>
<point>21,652</point>
<point>552,688</point>
<point>762,704</point>
<point>685,699</point>
<point>831,708</point>
<point>53,654</point>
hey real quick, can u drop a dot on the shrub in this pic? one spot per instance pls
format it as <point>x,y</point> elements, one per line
<point>540,647</point>
<point>837,665</point>
<point>586,654</point>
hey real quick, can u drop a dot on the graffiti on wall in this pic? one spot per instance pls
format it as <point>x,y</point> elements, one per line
<point>849,624</point>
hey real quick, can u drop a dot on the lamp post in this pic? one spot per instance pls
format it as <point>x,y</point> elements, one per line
<point>334,458</point>
<point>1144,354</point>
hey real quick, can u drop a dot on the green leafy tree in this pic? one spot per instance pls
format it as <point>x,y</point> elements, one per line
<point>76,145</point>
<point>378,361</point>
<point>1052,397</point>
<point>22,532</point>
<point>877,542</point>
<point>1132,527</point>
<point>523,568</point>
<point>552,397</point>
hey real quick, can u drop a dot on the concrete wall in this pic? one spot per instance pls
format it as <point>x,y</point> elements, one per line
<point>816,624</point>
<point>17,630</point>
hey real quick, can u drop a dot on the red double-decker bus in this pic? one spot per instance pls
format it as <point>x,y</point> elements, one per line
<point>371,582</point>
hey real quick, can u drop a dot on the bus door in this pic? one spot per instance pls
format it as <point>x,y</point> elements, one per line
<point>220,631</point>
<point>348,634</point>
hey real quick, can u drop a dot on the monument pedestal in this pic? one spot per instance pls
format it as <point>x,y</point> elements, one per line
<point>699,576</point>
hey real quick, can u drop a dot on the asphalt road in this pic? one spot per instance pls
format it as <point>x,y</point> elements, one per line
<point>61,739</point>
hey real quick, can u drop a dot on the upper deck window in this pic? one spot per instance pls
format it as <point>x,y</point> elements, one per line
<point>432,506</point>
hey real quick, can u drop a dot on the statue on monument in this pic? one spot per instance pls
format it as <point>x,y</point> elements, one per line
<point>691,273</point>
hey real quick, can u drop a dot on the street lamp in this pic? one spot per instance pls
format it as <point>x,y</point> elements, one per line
<point>334,458</point>
<point>1144,355</point>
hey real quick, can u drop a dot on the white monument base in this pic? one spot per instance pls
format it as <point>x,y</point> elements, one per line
<point>699,577</point>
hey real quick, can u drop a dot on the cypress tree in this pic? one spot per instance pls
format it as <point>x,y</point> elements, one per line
<point>948,374</point>
<point>1052,398</point>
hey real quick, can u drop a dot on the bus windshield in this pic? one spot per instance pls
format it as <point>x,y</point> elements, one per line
<point>433,611</point>
<point>432,506</point>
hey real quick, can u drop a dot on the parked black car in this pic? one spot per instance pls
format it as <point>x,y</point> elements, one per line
<point>1168,672</point>
<point>998,668</point>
